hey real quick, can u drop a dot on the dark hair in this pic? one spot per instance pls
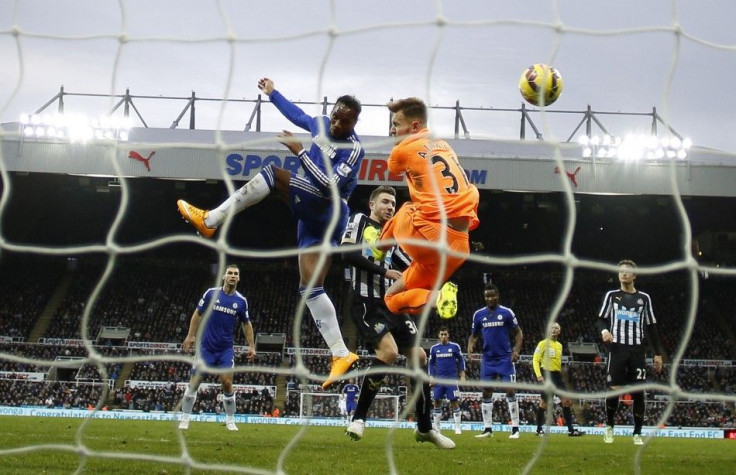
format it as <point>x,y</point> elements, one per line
<point>443,328</point>
<point>232,266</point>
<point>383,189</point>
<point>351,102</point>
<point>627,262</point>
<point>490,286</point>
<point>412,107</point>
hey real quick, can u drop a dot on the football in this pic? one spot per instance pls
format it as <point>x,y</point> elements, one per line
<point>540,85</point>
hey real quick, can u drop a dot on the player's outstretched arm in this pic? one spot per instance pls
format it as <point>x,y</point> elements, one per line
<point>286,107</point>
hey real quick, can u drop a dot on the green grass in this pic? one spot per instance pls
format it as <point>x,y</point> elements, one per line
<point>57,446</point>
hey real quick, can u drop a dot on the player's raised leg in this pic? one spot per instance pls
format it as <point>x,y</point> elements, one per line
<point>206,222</point>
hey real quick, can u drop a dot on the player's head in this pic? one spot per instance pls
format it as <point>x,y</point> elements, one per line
<point>554,331</point>
<point>231,277</point>
<point>409,117</point>
<point>626,272</point>
<point>382,203</point>
<point>344,116</point>
<point>443,333</point>
<point>492,296</point>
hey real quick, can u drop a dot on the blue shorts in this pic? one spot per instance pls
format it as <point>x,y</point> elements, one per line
<point>218,359</point>
<point>314,213</point>
<point>451,392</point>
<point>497,369</point>
<point>350,406</point>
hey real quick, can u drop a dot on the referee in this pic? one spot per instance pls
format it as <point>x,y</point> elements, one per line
<point>548,361</point>
<point>625,320</point>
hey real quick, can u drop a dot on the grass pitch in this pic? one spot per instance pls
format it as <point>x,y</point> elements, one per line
<point>31,445</point>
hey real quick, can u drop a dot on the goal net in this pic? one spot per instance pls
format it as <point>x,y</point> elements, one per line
<point>326,405</point>
<point>111,111</point>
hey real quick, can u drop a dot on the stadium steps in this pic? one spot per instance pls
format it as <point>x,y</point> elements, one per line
<point>47,314</point>
<point>280,399</point>
<point>122,377</point>
<point>577,410</point>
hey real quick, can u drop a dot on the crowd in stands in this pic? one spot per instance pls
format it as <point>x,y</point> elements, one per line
<point>155,299</point>
<point>177,371</point>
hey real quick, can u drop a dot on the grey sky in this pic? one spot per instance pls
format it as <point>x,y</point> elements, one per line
<point>615,56</point>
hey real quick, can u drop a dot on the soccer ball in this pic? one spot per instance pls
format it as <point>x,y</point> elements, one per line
<point>371,235</point>
<point>540,84</point>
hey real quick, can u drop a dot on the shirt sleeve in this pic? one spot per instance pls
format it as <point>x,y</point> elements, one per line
<point>295,115</point>
<point>538,354</point>
<point>204,301</point>
<point>245,316</point>
<point>460,359</point>
<point>397,160</point>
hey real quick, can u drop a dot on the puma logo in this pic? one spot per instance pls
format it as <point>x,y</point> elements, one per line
<point>145,160</point>
<point>572,176</point>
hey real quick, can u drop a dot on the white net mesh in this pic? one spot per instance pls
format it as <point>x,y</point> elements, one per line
<point>443,52</point>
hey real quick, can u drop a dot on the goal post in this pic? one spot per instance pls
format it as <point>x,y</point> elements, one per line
<point>385,407</point>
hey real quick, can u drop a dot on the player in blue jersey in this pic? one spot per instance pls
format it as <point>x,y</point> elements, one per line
<point>351,391</point>
<point>220,308</point>
<point>332,162</point>
<point>446,362</point>
<point>496,325</point>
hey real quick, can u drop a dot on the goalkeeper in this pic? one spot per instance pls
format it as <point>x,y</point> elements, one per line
<point>439,190</point>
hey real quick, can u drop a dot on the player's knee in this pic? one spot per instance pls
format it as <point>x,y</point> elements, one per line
<point>391,303</point>
<point>387,354</point>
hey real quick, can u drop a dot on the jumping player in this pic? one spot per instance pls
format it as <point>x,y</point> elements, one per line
<point>439,188</point>
<point>333,160</point>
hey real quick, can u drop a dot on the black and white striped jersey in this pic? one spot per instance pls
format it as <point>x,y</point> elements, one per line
<point>626,314</point>
<point>362,229</point>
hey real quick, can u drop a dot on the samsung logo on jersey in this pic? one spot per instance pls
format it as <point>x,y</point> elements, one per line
<point>492,324</point>
<point>444,355</point>
<point>222,309</point>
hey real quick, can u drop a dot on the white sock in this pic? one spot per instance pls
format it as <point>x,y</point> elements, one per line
<point>189,397</point>
<point>457,416</point>
<point>245,197</point>
<point>514,412</point>
<point>324,315</point>
<point>437,418</point>
<point>487,410</point>
<point>229,402</point>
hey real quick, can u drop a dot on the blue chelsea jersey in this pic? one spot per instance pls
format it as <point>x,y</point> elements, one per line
<point>227,310</point>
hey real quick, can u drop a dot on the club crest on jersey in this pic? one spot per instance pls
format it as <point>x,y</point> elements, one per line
<point>235,305</point>
<point>500,317</point>
<point>640,302</point>
<point>379,327</point>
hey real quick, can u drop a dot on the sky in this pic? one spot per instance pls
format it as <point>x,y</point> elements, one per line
<point>626,56</point>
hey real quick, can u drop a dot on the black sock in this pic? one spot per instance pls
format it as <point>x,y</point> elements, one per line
<point>639,406</point>
<point>540,418</point>
<point>567,414</point>
<point>611,408</point>
<point>371,386</point>
<point>424,407</point>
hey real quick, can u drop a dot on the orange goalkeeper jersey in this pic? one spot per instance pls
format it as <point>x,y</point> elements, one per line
<point>435,178</point>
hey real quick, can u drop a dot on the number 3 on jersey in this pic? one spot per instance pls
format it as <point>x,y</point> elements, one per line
<point>447,173</point>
